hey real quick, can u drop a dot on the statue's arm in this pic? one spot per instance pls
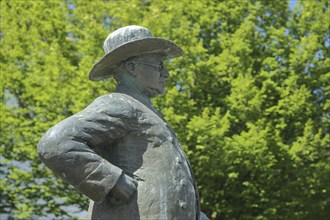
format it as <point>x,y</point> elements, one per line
<point>68,150</point>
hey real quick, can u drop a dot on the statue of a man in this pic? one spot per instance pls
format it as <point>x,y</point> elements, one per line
<point>119,151</point>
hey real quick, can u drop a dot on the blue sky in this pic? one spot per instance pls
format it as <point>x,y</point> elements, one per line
<point>292,4</point>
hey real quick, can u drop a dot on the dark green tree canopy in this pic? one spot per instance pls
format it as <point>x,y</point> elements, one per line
<point>249,101</point>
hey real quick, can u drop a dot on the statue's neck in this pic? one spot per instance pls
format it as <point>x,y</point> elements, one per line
<point>138,95</point>
<point>134,92</point>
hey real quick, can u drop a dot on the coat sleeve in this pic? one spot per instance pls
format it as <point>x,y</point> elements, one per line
<point>68,148</point>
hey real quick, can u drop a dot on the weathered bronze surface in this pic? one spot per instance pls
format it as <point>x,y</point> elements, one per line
<point>119,151</point>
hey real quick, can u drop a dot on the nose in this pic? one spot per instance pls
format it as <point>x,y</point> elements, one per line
<point>164,73</point>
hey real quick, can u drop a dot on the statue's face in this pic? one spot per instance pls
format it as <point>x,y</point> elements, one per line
<point>150,74</point>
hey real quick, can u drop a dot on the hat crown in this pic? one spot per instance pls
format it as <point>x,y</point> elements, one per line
<point>129,42</point>
<point>125,35</point>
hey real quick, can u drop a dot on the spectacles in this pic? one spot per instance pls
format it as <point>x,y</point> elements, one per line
<point>157,67</point>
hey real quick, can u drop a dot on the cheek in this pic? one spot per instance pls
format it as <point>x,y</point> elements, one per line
<point>151,78</point>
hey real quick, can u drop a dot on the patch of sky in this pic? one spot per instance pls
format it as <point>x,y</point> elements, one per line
<point>319,55</point>
<point>261,31</point>
<point>10,99</point>
<point>107,22</point>
<point>319,93</point>
<point>292,4</point>
<point>71,6</point>
<point>75,211</point>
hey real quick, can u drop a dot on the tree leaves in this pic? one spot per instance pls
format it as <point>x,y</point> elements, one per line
<point>249,101</point>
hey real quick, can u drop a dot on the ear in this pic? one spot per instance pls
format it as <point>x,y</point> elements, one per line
<point>130,67</point>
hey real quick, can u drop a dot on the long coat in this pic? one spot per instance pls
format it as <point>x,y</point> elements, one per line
<point>122,133</point>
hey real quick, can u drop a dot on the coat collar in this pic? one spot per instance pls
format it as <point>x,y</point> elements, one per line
<point>138,95</point>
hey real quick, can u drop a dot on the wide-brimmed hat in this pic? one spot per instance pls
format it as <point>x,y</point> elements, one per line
<point>128,42</point>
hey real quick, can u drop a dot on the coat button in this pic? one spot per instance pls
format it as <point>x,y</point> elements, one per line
<point>183,182</point>
<point>183,204</point>
<point>178,160</point>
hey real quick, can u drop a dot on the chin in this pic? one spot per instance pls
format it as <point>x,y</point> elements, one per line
<point>161,91</point>
<point>152,93</point>
<point>157,93</point>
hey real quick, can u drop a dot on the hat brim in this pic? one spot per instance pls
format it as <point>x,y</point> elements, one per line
<point>104,67</point>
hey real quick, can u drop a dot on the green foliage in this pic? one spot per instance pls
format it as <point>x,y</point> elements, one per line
<point>249,101</point>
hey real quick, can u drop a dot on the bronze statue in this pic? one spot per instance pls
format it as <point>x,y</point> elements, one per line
<point>119,151</point>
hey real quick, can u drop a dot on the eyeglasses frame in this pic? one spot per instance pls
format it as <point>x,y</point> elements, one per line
<point>159,67</point>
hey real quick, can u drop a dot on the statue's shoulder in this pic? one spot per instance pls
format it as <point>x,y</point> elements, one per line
<point>114,104</point>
